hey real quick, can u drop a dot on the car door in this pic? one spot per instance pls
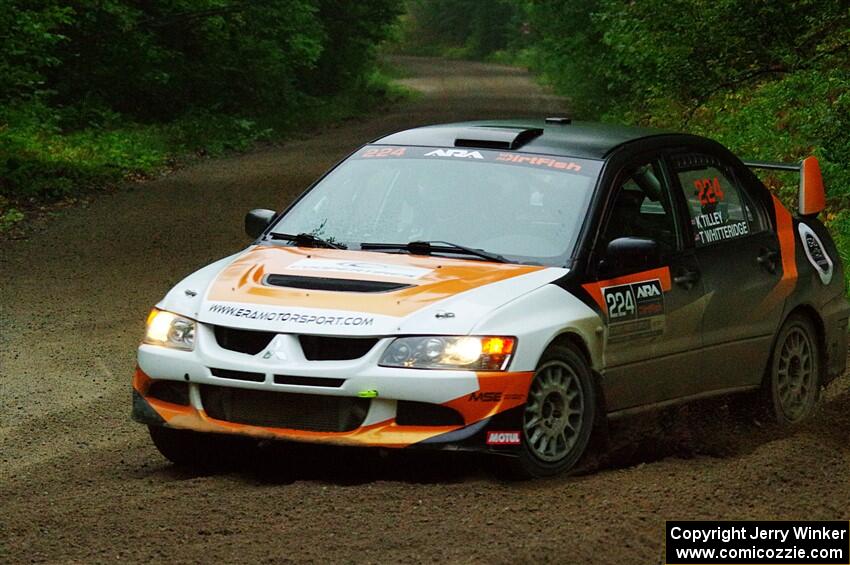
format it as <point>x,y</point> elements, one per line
<point>737,252</point>
<point>653,311</point>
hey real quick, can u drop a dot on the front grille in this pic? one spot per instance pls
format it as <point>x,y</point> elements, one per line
<point>243,341</point>
<point>170,391</point>
<point>410,413</point>
<point>322,348</point>
<point>308,381</point>
<point>238,375</point>
<point>308,412</point>
<point>338,285</point>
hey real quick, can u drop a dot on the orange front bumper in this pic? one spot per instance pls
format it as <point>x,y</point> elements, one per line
<point>498,392</point>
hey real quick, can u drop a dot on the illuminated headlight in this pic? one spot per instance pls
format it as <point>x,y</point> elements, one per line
<point>450,352</point>
<point>170,330</point>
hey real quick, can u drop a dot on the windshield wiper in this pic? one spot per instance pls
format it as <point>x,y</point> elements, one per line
<point>428,247</point>
<point>306,240</point>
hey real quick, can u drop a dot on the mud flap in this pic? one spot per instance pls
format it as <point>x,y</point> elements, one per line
<point>144,412</point>
<point>475,436</point>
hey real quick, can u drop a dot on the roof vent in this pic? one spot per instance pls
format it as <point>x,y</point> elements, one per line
<point>494,137</point>
<point>560,121</point>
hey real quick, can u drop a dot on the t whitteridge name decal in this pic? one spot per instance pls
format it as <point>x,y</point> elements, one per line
<point>269,315</point>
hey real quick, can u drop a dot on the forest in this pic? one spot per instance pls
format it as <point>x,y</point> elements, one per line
<point>97,92</point>
<point>771,80</point>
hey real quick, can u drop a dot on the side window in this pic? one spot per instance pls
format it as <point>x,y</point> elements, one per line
<point>642,208</point>
<point>719,207</point>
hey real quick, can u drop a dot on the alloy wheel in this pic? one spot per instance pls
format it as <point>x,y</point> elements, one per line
<point>554,414</point>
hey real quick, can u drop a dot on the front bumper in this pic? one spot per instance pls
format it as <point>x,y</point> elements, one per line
<point>481,401</point>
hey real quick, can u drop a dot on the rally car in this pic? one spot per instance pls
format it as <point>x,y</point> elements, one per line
<point>505,287</point>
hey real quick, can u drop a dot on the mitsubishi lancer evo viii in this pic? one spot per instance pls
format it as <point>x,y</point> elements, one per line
<point>504,287</point>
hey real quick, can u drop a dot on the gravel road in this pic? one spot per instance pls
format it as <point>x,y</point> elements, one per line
<point>81,483</point>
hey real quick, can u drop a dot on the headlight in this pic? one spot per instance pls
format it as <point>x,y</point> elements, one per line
<point>170,330</point>
<point>450,352</point>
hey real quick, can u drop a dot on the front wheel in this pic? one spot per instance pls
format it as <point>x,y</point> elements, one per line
<point>792,386</point>
<point>559,414</point>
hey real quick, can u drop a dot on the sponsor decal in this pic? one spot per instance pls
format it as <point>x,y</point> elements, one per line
<point>358,268</point>
<point>460,153</point>
<point>546,162</point>
<point>383,152</point>
<point>635,309</point>
<point>493,396</point>
<point>485,396</point>
<point>816,253</point>
<point>633,301</point>
<point>269,315</point>
<point>539,161</point>
<point>503,438</point>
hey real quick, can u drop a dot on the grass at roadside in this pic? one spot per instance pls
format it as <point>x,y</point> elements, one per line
<point>42,164</point>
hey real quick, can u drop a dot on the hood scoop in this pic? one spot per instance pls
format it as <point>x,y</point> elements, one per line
<point>332,284</point>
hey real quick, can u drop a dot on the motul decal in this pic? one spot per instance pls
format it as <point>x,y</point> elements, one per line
<point>816,253</point>
<point>503,438</point>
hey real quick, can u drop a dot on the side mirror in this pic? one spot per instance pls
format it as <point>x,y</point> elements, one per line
<point>631,253</point>
<point>256,221</point>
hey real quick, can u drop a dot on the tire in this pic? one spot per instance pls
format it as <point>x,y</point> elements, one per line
<point>559,415</point>
<point>791,389</point>
<point>198,450</point>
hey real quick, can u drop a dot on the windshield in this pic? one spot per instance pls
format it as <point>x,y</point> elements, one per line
<point>527,208</point>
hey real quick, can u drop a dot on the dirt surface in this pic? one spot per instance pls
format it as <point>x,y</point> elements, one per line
<point>81,483</point>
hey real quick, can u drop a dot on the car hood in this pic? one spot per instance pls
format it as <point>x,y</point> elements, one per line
<point>341,292</point>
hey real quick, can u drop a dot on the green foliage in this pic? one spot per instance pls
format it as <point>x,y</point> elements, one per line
<point>94,92</point>
<point>27,45</point>
<point>839,224</point>
<point>460,28</point>
<point>770,80</point>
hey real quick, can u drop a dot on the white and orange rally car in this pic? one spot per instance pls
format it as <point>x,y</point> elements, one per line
<point>500,286</point>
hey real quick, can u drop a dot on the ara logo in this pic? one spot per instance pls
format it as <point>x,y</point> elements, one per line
<point>503,438</point>
<point>629,302</point>
<point>648,290</point>
<point>816,253</point>
<point>462,153</point>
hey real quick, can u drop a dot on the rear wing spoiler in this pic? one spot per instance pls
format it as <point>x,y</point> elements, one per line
<point>812,196</point>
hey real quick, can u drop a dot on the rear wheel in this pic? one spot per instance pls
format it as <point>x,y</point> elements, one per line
<point>559,414</point>
<point>186,448</point>
<point>792,387</point>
